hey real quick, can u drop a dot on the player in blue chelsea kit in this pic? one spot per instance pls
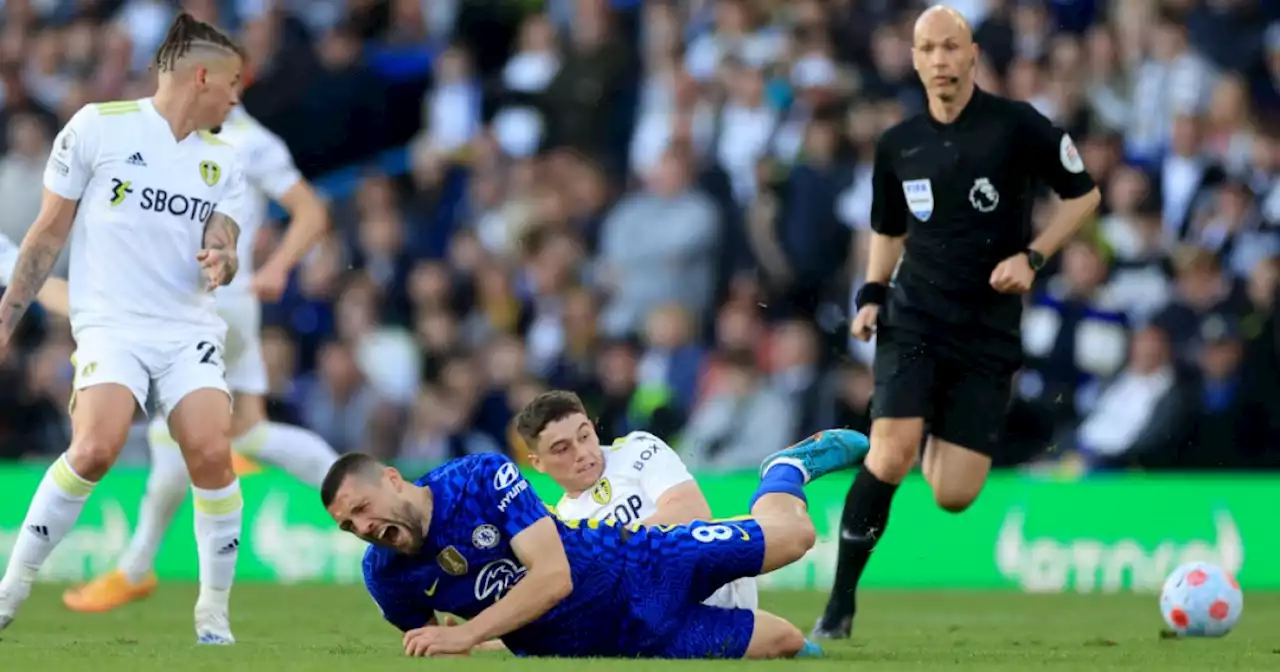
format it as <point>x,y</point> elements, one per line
<point>472,539</point>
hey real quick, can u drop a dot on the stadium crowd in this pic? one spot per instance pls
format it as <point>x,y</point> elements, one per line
<point>663,205</point>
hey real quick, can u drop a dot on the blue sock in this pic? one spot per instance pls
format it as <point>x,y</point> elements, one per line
<point>782,478</point>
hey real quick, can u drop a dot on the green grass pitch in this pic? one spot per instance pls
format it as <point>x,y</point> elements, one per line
<point>337,629</point>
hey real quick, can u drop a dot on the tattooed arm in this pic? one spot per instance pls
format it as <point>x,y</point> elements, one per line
<point>219,254</point>
<point>40,249</point>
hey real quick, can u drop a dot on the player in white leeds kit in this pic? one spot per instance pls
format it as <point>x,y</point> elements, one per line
<point>271,175</point>
<point>150,201</point>
<point>641,474</point>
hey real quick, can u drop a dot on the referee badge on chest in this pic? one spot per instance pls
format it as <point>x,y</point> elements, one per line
<point>919,194</point>
<point>983,195</point>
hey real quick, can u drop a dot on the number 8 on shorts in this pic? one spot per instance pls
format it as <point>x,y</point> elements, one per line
<point>710,533</point>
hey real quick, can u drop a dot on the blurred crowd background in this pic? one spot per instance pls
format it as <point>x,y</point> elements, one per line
<point>663,205</point>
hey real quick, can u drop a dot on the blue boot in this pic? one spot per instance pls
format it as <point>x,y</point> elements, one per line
<point>810,650</point>
<point>827,451</point>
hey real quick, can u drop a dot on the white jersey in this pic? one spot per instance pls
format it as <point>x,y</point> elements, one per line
<point>269,172</point>
<point>144,198</point>
<point>638,469</point>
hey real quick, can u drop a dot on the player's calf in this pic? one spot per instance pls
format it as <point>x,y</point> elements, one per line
<point>779,505</point>
<point>133,578</point>
<point>201,423</point>
<point>954,473</point>
<point>101,417</point>
<point>774,637</point>
<point>895,443</point>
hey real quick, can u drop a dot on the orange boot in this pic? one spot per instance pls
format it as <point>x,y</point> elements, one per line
<point>107,592</point>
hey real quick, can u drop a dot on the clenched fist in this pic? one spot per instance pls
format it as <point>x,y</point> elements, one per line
<point>864,324</point>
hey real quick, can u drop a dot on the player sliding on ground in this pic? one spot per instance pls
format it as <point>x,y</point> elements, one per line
<point>271,175</point>
<point>155,200</point>
<point>471,538</point>
<point>638,479</point>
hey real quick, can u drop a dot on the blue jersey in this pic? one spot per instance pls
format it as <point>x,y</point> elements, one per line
<point>635,590</point>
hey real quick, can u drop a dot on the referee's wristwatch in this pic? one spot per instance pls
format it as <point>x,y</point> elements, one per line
<point>1034,259</point>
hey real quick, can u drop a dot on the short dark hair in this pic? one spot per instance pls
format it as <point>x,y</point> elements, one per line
<point>186,31</point>
<point>545,409</point>
<point>351,464</point>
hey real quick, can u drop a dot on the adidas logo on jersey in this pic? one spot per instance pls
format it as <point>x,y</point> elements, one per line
<point>136,160</point>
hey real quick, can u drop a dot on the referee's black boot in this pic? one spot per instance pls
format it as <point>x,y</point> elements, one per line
<point>838,627</point>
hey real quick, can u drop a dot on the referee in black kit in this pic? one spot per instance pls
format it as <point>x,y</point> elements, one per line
<point>953,193</point>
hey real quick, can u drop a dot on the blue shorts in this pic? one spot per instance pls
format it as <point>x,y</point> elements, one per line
<point>703,631</point>
<point>674,569</point>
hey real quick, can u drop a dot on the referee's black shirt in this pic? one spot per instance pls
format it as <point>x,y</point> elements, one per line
<point>963,194</point>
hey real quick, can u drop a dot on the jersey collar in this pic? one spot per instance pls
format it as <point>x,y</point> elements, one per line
<point>164,130</point>
<point>970,111</point>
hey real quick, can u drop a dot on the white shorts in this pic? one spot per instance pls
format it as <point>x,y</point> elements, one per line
<point>740,594</point>
<point>246,370</point>
<point>175,365</point>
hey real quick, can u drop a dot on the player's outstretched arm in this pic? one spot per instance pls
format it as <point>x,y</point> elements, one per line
<point>547,582</point>
<point>40,249</point>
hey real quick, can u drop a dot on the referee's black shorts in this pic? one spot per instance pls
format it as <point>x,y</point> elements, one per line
<point>959,380</point>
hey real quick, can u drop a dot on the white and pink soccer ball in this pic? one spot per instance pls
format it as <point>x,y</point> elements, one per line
<point>1201,600</point>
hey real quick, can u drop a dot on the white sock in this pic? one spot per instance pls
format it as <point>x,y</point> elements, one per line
<point>218,520</point>
<point>53,512</point>
<point>301,452</point>
<point>166,488</point>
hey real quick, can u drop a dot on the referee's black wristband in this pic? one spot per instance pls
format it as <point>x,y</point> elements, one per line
<point>872,294</point>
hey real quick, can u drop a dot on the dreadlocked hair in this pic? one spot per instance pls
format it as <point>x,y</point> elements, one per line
<point>185,32</point>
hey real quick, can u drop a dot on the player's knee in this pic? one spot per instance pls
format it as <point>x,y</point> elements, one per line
<point>208,457</point>
<point>209,463</point>
<point>91,455</point>
<point>789,539</point>
<point>895,445</point>
<point>804,536</point>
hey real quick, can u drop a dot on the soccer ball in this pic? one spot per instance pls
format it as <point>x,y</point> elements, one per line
<point>1201,600</point>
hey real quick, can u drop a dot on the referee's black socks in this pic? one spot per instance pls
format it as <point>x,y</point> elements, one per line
<point>866,514</point>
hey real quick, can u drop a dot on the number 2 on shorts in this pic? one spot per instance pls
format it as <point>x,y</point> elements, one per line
<point>207,351</point>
